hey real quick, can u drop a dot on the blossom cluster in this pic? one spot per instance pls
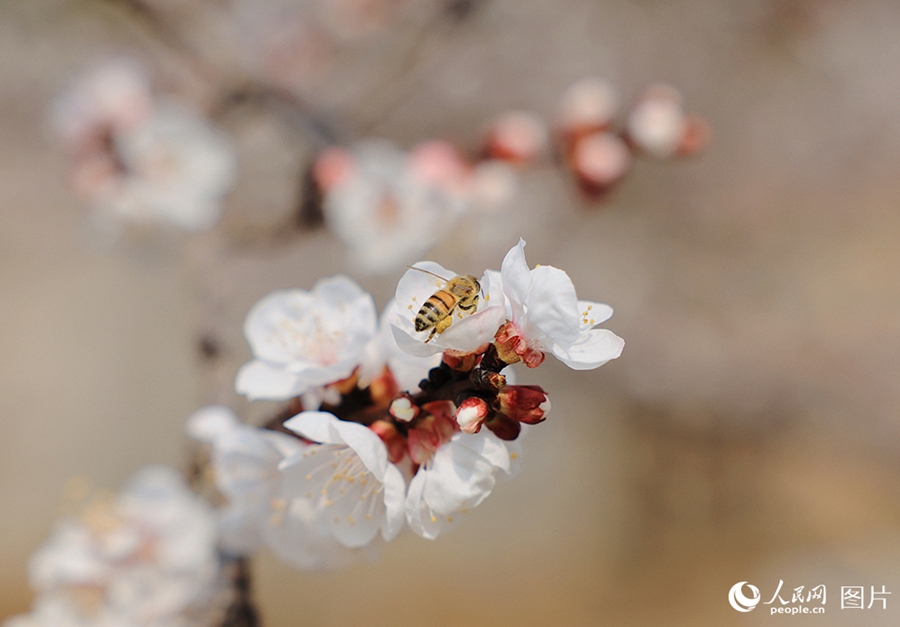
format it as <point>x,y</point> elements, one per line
<point>390,206</point>
<point>406,421</point>
<point>143,559</point>
<point>139,158</point>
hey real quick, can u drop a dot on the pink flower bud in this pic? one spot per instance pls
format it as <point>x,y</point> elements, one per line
<point>517,137</point>
<point>600,160</point>
<point>524,403</point>
<point>471,414</point>
<point>504,427</point>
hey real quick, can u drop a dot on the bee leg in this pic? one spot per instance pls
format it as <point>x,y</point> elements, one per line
<point>431,335</point>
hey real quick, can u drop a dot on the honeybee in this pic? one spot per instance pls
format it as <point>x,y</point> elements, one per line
<point>460,292</point>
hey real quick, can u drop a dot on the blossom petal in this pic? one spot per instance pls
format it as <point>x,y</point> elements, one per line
<point>459,478</point>
<point>411,341</point>
<point>593,313</point>
<point>516,278</point>
<point>552,306</point>
<point>418,284</point>
<point>210,422</point>
<point>394,502</point>
<point>420,517</point>
<point>592,349</point>
<point>259,380</point>
<point>470,332</point>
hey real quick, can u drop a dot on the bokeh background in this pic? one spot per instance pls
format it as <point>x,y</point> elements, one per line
<point>749,432</point>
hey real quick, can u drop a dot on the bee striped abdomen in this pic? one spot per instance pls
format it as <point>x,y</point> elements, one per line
<point>436,308</point>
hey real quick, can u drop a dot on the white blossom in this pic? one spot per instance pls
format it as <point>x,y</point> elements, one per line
<point>138,159</point>
<point>305,339</point>
<point>259,510</point>
<point>345,484</point>
<point>547,317</point>
<point>175,169</point>
<point>466,333</point>
<point>387,210</point>
<point>140,560</point>
<point>460,475</point>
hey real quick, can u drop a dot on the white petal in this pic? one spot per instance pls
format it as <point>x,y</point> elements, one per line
<point>470,332</point>
<point>421,518</point>
<point>366,444</point>
<point>394,502</point>
<point>592,349</point>
<point>593,313</point>
<point>488,446</point>
<point>516,278</point>
<point>417,285</point>
<point>552,305</point>
<point>458,478</point>
<point>316,426</point>
<point>258,380</point>
<point>411,341</point>
<point>207,423</point>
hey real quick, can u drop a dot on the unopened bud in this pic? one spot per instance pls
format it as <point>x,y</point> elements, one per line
<point>512,347</point>
<point>504,427</point>
<point>517,137</point>
<point>403,409</point>
<point>600,160</point>
<point>332,167</point>
<point>383,388</point>
<point>524,403</point>
<point>657,124</point>
<point>471,414</point>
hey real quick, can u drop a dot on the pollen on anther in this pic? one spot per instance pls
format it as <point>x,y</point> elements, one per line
<point>324,491</point>
<point>368,516</point>
<point>449,519</point>
<point>592,321</point>
<point>350,520</point>
<point>514,456</point>
<point>590,307</point>
<point>409,307</point>
<point>329,503</point>
<point>433,519</point>
<point>308,477</point>
<point>414,299</point>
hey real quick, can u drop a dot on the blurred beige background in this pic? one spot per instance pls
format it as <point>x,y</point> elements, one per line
<point>749,432</point>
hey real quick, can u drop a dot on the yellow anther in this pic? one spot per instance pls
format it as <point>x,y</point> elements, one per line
<point>449,519</point>
<point>433,519</point>
<point>350,520</point>
<point>329,503</point>
<point>592,321</point>
<point>514,456</point>
<point>308,477</point>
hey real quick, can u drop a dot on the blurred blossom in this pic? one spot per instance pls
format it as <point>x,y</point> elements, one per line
<point>302,340</point>
<point>599,161</point>
<point>517,137</point>
<point>493,185</point>
<point>283,43</point>
<point>587,106</point>
<point>143,558</point>
<point>260,509</point>
<point>657,124</point>
<point>143,161</point>
<point>389,207</point>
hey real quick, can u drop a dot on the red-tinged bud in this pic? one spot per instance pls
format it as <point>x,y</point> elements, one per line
<point>503,427</point>
<point>404,409</point>
<point>384,388</point>
<point>524,403</point>
<point>393,439</point>
<point>517,137</point>
<point>471,414</point>
<point>512,347</point>
<point>431,431</point>
<point>600,161</point>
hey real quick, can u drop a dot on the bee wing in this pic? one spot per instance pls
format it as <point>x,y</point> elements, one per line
<point>415,287</point>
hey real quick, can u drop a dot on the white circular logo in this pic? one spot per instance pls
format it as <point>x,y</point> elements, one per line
<point>740,602</point>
